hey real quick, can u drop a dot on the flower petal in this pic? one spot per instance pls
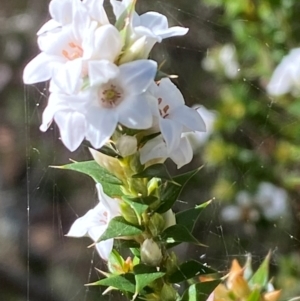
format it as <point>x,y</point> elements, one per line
<point>138,75</point>
<point>100,72</point>
<point>39,69</point>
<point>183,154</point>
<point>104,248</point>
<point>61,11</point>
<point>171,131</point>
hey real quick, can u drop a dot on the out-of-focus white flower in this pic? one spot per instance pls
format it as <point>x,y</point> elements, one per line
<point>286,77</point>
<point>151,253</point>
<point>151,25</point>
<point>157,150</point>
<point>95,222</point>
<point>197,139</point>
<point>244,210</point>
<point>174,117</point>
<point>272,200</point>
<point>116,95</point>
<point>224,59</point>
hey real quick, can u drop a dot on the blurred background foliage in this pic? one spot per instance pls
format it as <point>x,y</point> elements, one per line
<point>251,152</point>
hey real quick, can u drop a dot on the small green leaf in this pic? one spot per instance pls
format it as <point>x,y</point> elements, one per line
<point>110,183</point>
<point>254,296</point>
<point>145,275</point>
<point>261,276</point>
<point>189,270</point>
<point>115,263</point>
<point>156,170</point>
<point>118,227</point>
<point>124,283</point>
<point>200,291</point>
<point>178,233</point>
<point>189,217</point>
<point>171,190</point>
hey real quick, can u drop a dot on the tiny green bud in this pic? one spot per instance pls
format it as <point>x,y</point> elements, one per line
<point>156,224</point>
<point>135,52</point>
<point>168,293</point>
<point>151,253</point>
<point>153,185</point>
<point>129,214</point>
<point>171,263</point>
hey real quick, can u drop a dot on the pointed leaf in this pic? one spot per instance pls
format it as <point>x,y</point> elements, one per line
<point>110,183</point>
<point>145,275</point>
<point>119,227</point>
<point>178,233</point>
<point>124,283</point>
<point>170,191</point>
<point>189,217</point>
<point>154,171</point>
<point>200,291</point>
<point>261,276</point>
<point>189,270</point>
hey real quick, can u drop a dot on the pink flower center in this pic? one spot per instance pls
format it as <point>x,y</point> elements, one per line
<point>163,110</point>
<point>74,52</point>
<point>104,218</point>
<point>110,96</point>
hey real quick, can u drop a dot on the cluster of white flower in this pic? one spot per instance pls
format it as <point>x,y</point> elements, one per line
<point>100,77</point>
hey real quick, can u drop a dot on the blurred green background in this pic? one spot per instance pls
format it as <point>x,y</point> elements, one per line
<point>251,153</point>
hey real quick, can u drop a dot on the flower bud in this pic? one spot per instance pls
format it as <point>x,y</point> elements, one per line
<point>151,253</point>
<point>168,293</point>
<point>170,219</point>
<point>156,224</point>
<point>135,52</point>
<point>109,163</point>
<point>126,145</point>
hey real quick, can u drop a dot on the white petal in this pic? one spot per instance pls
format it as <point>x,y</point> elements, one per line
<point>118,8</point>
<point>172,32</point>
<point>68,76</point>
<point>171,131</point>
<point>104,248</point>
<point>188,117</point>
<point>61,11</point>
<point>135,113</point>
<point>97,11</point>
<point>112,205</point>
<point>100,72</point>
<point>79,228</point>
<point>138,75</point>
<point>154,21</point>
<point>38,70</point>
<point>183,154</point>
<point>105,43</point>
<point>48,26</point>
<point>72,128</point>
<point>104,121</point>
<point>169,93</point>
<point>153,149</point>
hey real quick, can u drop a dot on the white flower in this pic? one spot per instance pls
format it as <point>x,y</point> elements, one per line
<point>151,253</point>
<point>126,145</point>
<point>174,117</point>
<point>68,41</point>
<point>224,59</point>
<point>272,200</point>
<point>286,77</point>
<point>115,95</point>
<point>151,25</point>
<point>95,222</point>
<point>157,150</point>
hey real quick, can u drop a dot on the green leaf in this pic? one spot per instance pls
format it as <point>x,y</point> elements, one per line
<point>145,275</point>
<point>170,191</point>
<point>118,227</point>
<point>200,291</point>
<point>189,270</point>
<point>138,208</point>
<point>110,183</point>
<point>178,233</point>
<point>154,171</point>
<point>124,283</point>
<point>189,217</point>
<point>254,296</point>
<point>115,263</point>
<point>261,276</point>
